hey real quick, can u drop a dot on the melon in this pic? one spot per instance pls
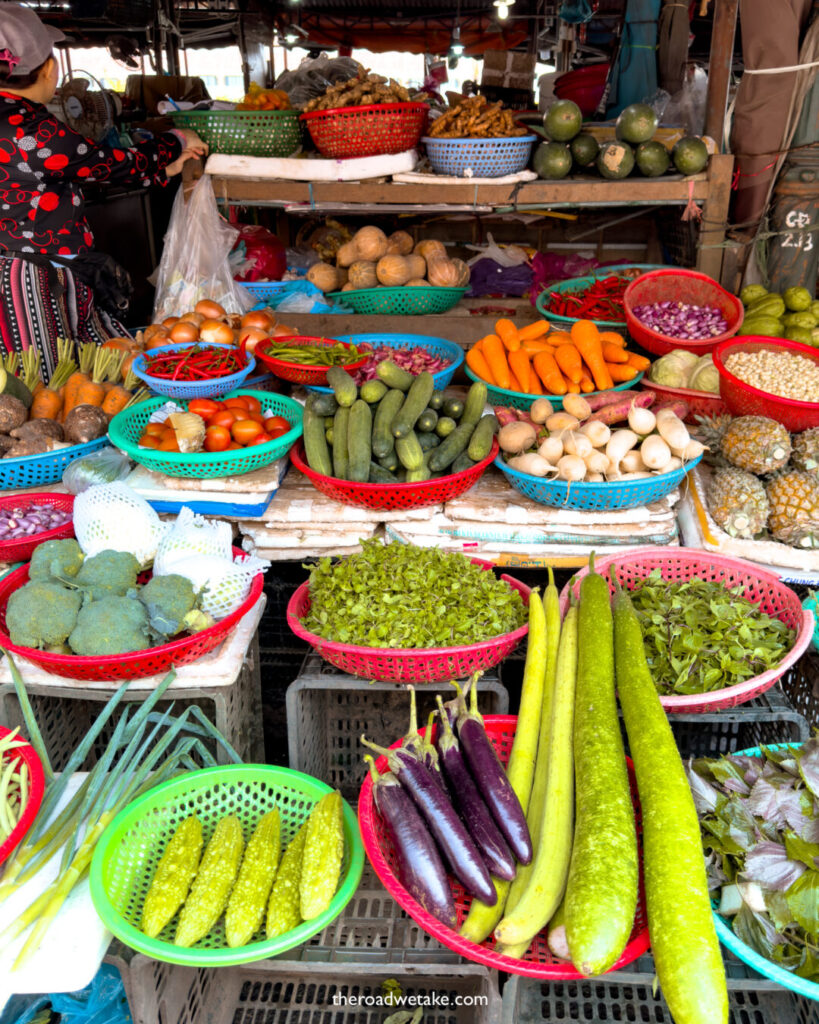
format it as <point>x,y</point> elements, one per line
<point>615,160</point>
<point>584,149</point>
<point>552,160</point>
<point>652,159</point>
<point>563,120</point>
<point>636,123</point>
<point>690,155</point>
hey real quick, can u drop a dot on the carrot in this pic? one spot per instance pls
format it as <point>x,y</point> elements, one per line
<point>116,400</point>
<point>11,362</point>
<point>480,342</point>
<point>613,353</point>
<point>536,345</point>
<point>496,357</point>
<point>535,387</point>
<point>621,372</point>
<point>508,334</point>
<point>78,378</point>
<point>585,335</point>
<point>586,383</point>
<point>476,361</point>
<point>568,359</point>
<point>558,338</point>
<point>92,392</point>
<point>520,366</point>
<point>640,363</point>
<point>572,388</point>
<point>114,374</point>
<point>531,332</point>
<point>613,338</point>
<point>549,373</point>
<point>30,360</point>
<point>48,401</point>
<point>515,384</point>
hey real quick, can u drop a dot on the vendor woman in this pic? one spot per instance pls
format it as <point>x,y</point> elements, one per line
<point>52,282</point>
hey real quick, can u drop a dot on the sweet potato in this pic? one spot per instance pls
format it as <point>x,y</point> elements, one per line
<point>617,412</point>
<point>609,398</point>
<point>678,407</point>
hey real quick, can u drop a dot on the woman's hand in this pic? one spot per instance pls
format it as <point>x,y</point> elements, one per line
<point>193,142</point>
<point>176,167</point>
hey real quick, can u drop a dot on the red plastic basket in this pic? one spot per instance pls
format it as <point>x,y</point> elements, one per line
<point>20,549</point>
<point>538,961</point>
<point>413,665</point>
<point>297,373</point>
<point>377,129</point>
<point>761,587</point>
<point>679,286</point>
<point>700,403</point>
<point>395,497</point>
<point>125,666</point>
<point>35,794</point>
<point>745,400</point>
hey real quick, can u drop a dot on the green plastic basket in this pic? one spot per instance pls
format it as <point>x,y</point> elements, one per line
<point>399,301</point>
<point>245,132</point>
<point>129,850</point>
<point>519,400</point>
<point>576,283</point>
<point>125,430</point>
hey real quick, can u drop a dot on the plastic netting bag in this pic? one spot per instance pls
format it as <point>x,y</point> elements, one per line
<point>194,262</point>
<point>114,517</point>
<point>223,584</point>
<point>192,536</point>
<point>313,77</point>
<point>102,467</point>
<point>686,108</point>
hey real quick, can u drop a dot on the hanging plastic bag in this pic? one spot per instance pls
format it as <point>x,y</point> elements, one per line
<point>103,467</point>
<point>113,517</point>
<point>194,262</point>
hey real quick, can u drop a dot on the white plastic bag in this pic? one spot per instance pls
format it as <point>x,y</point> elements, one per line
<point>224,584</point>
<point>192,536</point>
<point>113,517</point>
<point>194,262</point>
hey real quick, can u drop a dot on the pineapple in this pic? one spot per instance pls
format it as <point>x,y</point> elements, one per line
<point>753,443</point>
<point>805,454</point>
<point>737,503</point>
<point>794,501</point>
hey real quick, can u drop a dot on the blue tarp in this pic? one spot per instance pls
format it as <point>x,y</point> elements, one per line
<point>634,76</point>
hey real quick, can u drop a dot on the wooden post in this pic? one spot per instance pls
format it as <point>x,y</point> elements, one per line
<point>715,215</point>
<point>719,67</point>
<point>192,171</point>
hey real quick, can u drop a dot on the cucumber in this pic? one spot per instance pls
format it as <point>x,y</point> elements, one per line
<point>328,421</point>
<point>437,400</point>
<point>685,947</point>
<point>409,451</point>
<point>475,403</point>
<point>601,893</point>
<point>328,433</point>
<point>453,407</point>
<point>359,433</point>
<point>415,403</point>
<point>461,463</point>
<point>383,441</point>
<point>451,447</point>
<point>341,458</point>
<point>445,426</point>
<point>393,376</point>
<point>480,444</point>
<point>372,391</point>
<point>427,421</point>
<point>415,476</point>
<point>345,391</point>
<point>428,441</point>
<point>325,405</point>
<point>315,443</point>
<point>379,475</point>
<point>389,462</point>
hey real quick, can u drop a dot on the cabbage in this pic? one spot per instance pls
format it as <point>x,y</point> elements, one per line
<point>705,376</point>
<point>688,359</point>
<point>670,371</point>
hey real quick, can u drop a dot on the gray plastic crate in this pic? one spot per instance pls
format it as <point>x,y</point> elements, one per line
<point>327,711</point>
<point>286,992</point>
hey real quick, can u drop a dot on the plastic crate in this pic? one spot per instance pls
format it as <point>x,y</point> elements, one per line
<point>65,713</point>
<point>327,711</point>
<point>286,992</point>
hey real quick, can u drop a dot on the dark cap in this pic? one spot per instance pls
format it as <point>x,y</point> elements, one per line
<point>25,42</point>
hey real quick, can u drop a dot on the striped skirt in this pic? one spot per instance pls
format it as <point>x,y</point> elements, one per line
<point>31,316</point>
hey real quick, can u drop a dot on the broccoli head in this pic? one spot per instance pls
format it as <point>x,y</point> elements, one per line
<point>115,625</point>
<point>169,600</point>
<point>42,614</point>
<point>55,560</point>
<point>108,574</point>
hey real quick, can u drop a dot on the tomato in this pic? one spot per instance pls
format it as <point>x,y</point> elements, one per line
<point>259,439</point>
<point>147,441</point>
<point>237,403</point>
<point>154,429</point>
<point>257,417</point>
<point>253,404</point>
<point>168,445</point>
<point>233,446</point>
<point>217,439</point>
<point>223,418</point>
<point>204,407</point>
<point>275,432</point>
<point>276,422</point>
<point>244,431</point>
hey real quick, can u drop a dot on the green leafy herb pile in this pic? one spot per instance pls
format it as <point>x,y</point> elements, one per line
<point>399,596</point>
<point>760,825</point>
<point>701,636</point>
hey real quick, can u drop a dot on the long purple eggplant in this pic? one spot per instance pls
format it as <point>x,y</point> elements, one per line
<point>479,822</point>
<point>419,864</point>
<point>457,846</point>
<point>494,786</point>
<point>420,745</point>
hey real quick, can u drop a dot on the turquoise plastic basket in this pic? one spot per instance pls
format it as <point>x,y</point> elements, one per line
<point>763,966</point>
<point>188,389</point>
<point>810,605</point>
<point>48,468</point>
<point>575,283</point>
<point>125,430</point>
<point>518,400</point>
<point>435,346</point>
<point>264,291</point>
<point>604,497</point>
<point>399,301</point>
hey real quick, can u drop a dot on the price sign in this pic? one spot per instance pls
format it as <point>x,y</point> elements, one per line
<point>798,238</point>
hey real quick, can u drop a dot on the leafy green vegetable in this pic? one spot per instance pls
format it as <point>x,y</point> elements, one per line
<point>399,596</point>
<point>700,636</point>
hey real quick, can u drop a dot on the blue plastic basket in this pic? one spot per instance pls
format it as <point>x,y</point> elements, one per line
<point>264,291</point>
<point>435,346</point>
<point>47,468</point>
<point>763,966</point>
<point>479,158</point>
<point>186,390</point>
<point>573,284</point>
<point>519,400</point>
<point>603,497</point>
<point>809,604</point>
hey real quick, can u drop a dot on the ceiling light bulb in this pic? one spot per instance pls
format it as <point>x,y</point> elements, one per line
<point>291,38</point>
<point>503,12</point>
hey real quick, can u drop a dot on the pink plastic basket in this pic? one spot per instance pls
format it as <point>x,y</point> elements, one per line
<point>538,961</point>
<point>761,587</point>
<point>20,549</point>
<point>35,794</point>
<point>413,665</point>
<point>700,403</point>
